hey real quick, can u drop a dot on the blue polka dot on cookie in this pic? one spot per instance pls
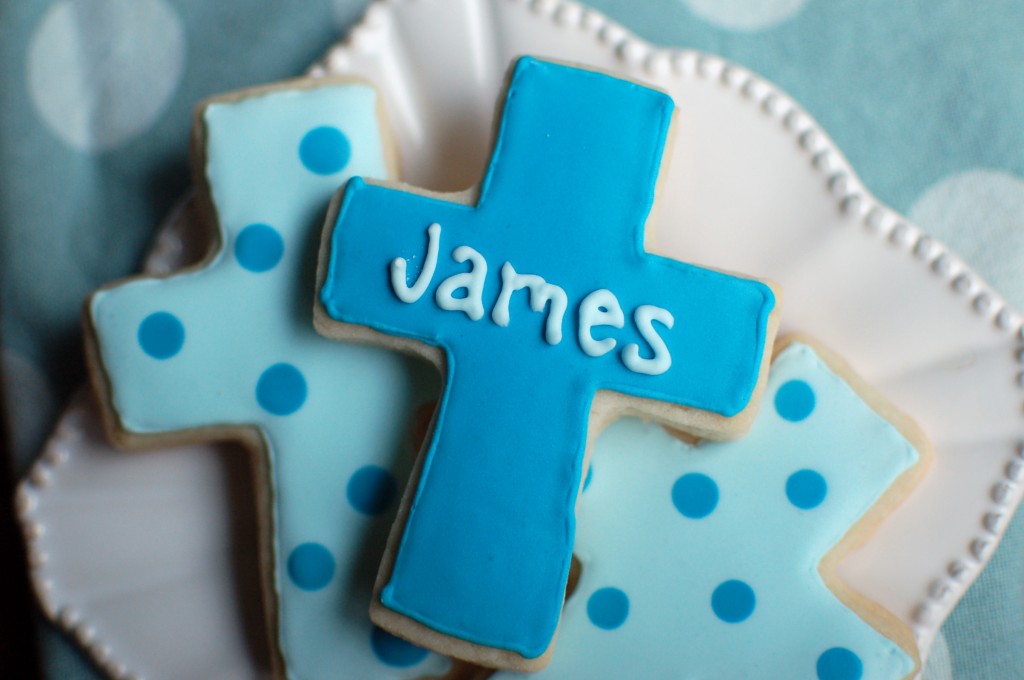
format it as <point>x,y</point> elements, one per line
<point>258,248</point>
<point>795,400</point>
<point>371,489</point>
<point>394,651</point>
<point>608,608</point>
<point>325,150</point>
<point>806,489</point>
<point>839,663</point>
<point>695,495</point>
<point>733,601</point>
<point>161,335</point>
<point>281,390</point>
<point>310,566</point>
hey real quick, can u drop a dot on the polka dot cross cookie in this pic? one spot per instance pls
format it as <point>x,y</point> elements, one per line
<point>228,350</point>
<point>718,561</point>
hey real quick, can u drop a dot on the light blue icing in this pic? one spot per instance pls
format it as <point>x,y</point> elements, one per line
<point>735,593</point>
<point>247,354</point>
<point>486,549</point>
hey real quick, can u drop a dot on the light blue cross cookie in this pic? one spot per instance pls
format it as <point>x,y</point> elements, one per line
<point>703,562</point>
<point>230,348</point>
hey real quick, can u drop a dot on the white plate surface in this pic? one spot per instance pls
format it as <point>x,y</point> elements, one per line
<point>754,186</point>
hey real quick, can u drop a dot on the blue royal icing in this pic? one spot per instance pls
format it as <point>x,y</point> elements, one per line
<point>540,295</point>
<point>735,590</point>
<point>232,344</point>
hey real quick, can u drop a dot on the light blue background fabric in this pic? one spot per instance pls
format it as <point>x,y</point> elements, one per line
<point>923,96</point>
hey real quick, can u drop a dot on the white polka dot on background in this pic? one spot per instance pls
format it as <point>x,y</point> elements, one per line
<point>100,72</point>
<point>940,663</point>
<point>30,402</point>
<point>745,15</point>
<point>980,215</point>
<point>346,13</point>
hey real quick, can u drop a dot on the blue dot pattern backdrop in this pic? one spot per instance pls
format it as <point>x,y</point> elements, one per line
<point>110,134</point>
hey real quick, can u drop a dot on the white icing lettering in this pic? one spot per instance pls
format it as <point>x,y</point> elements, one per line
<point>472,281</point>
<point>644,317</point>
<point>600,308</point>
<point>400,284</point>
<point>541,293</point>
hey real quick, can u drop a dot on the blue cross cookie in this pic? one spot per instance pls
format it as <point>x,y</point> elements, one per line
<point>228,350</point>
<point>534,298</point>
<point>718,561</point>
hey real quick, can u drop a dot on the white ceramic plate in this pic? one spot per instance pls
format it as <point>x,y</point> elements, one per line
<point>754,186</point>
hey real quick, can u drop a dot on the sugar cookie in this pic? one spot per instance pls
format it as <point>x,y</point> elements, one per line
<point>719,561</point>
<point>534,295</point>
<point>227,350</point>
